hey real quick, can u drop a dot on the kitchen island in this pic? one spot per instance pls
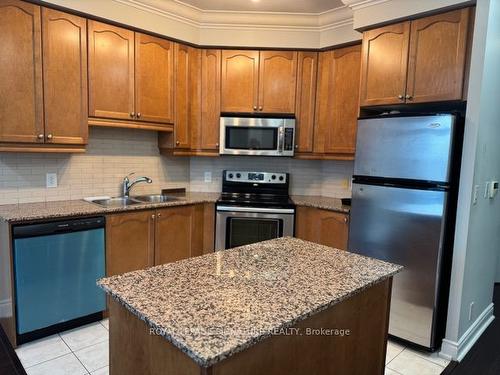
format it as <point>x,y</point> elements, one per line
<point>284,306</point>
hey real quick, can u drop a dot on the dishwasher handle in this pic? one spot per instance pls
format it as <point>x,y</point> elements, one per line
<point>57,227</point>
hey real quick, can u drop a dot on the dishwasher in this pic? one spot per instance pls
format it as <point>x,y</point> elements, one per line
<point>56,266</point>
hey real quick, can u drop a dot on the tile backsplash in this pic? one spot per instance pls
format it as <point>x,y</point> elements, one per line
<point>307,177</point>
<point>113,153</point>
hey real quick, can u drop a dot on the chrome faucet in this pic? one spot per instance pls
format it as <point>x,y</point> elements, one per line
<point>127,185</point>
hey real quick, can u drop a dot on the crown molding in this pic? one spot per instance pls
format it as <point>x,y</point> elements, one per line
<point>360,4</point>
<point>193,16</point>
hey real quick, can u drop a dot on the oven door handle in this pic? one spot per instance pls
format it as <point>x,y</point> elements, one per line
<point>256,209</point>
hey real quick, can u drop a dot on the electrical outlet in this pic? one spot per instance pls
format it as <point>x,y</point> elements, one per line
<point>51,180</point>
<point>471,309</point>
<point>474,196</point>
<point>493,189</point>
<point>208,176</point>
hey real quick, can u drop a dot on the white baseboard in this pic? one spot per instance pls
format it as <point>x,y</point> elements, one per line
<point>453,350</point>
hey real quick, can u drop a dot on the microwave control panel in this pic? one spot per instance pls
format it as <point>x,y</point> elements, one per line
<point>288,146</point>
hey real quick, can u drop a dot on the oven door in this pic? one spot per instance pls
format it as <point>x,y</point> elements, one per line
<point>251,136</point>
<point>238,226</point>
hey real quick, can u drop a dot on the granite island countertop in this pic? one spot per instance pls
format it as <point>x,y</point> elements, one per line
<point>216,305</point>
<point>23,212</point>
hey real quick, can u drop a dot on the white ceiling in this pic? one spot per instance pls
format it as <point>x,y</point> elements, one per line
<point>288,6</point>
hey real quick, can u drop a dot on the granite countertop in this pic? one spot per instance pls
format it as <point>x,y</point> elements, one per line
<point>13,213</point>
<point>16,213</point>
<point>216,305</point>
<point>325,203</point>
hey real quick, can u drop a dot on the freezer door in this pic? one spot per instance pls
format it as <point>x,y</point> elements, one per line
<point>403,226</point>
<point>417,148</point>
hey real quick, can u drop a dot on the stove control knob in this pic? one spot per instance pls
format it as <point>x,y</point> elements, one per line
<point>231,175</point>
<point>281,178</point>
<point>238,175</point>
<point>273,177</point>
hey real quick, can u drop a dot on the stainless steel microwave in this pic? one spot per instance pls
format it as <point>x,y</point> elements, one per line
<point>257,136</point>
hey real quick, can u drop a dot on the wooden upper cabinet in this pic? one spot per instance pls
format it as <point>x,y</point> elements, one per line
<point>179,233</point>
<point>65,77</point>
<point>210,99</point>
<point>154,64</point>
<point>337,101</point>
<point>187,94</point>
<point>21,93</point>
<point>322,226</point>
<point>340,137</point>
<point>306,98</point>
<point>384,64</point>
<point>438,46</point>
<point>277,81</point>
<point>240,81</point>
<point>111,71</point>
<point>129,242</point>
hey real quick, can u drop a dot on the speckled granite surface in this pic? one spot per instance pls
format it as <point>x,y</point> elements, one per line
<point>219,304</point>
<point>326,203</point>
<point>73,208</point>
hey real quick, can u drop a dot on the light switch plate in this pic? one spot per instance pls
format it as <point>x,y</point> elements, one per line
<point>51,180</point>
<point>208,176</point>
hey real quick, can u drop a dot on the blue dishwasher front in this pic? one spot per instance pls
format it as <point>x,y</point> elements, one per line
<point>56,267</point>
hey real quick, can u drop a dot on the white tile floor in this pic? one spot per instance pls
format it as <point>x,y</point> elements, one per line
<point>84,351</point>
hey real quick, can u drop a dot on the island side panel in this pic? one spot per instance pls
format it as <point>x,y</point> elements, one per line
<point>7,296</point>
<point>133,350</point>
<point>362,353</point>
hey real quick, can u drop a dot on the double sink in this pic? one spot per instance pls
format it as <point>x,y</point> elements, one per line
<point>130,201</point>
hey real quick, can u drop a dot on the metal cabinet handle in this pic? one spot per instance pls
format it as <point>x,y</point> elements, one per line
<point>138,114</point>
<point>260,108</point>
<point>153,216</point>
<point>296,147</point>
<point>216,145</point>
<point>177,143</point>
<point>49,137</point>
<point>409,97</point>
<point>132,114</point>
<point>401,97</point>
<point>254,107</point>
<point>159,214</point>
<point>40,136</point>
<point>346,219</point>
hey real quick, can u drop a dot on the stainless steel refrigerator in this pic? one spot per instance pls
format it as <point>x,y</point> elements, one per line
<point>401,197</point>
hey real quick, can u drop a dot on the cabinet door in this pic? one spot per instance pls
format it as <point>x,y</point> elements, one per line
<point>384,63</point>
<point>240,81</point>
<point>306,99</point>
<point>436,64</point>
<point>277,81</point>
<point>21,95</point>
<point>179,233</point>
<point>343,98</point>
<point>321,226</point>
<point>210,99</point>
<point>187,94</point>
<point>154,65</point>
<point>111,71</point>
<point>129,242</point>
<point>65,77</point>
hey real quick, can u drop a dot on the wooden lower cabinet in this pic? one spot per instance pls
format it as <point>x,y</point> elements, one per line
<point>129,242</point>
<point>179,233</point>
<point>322,226</point>
<point>137,240</point>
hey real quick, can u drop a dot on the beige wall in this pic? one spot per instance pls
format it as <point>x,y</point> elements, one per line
<point>308,177</point>
<point>111,154</point>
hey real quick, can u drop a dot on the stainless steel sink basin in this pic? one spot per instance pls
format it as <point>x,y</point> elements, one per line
<point>116,202</point>
<point>155,198</point>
